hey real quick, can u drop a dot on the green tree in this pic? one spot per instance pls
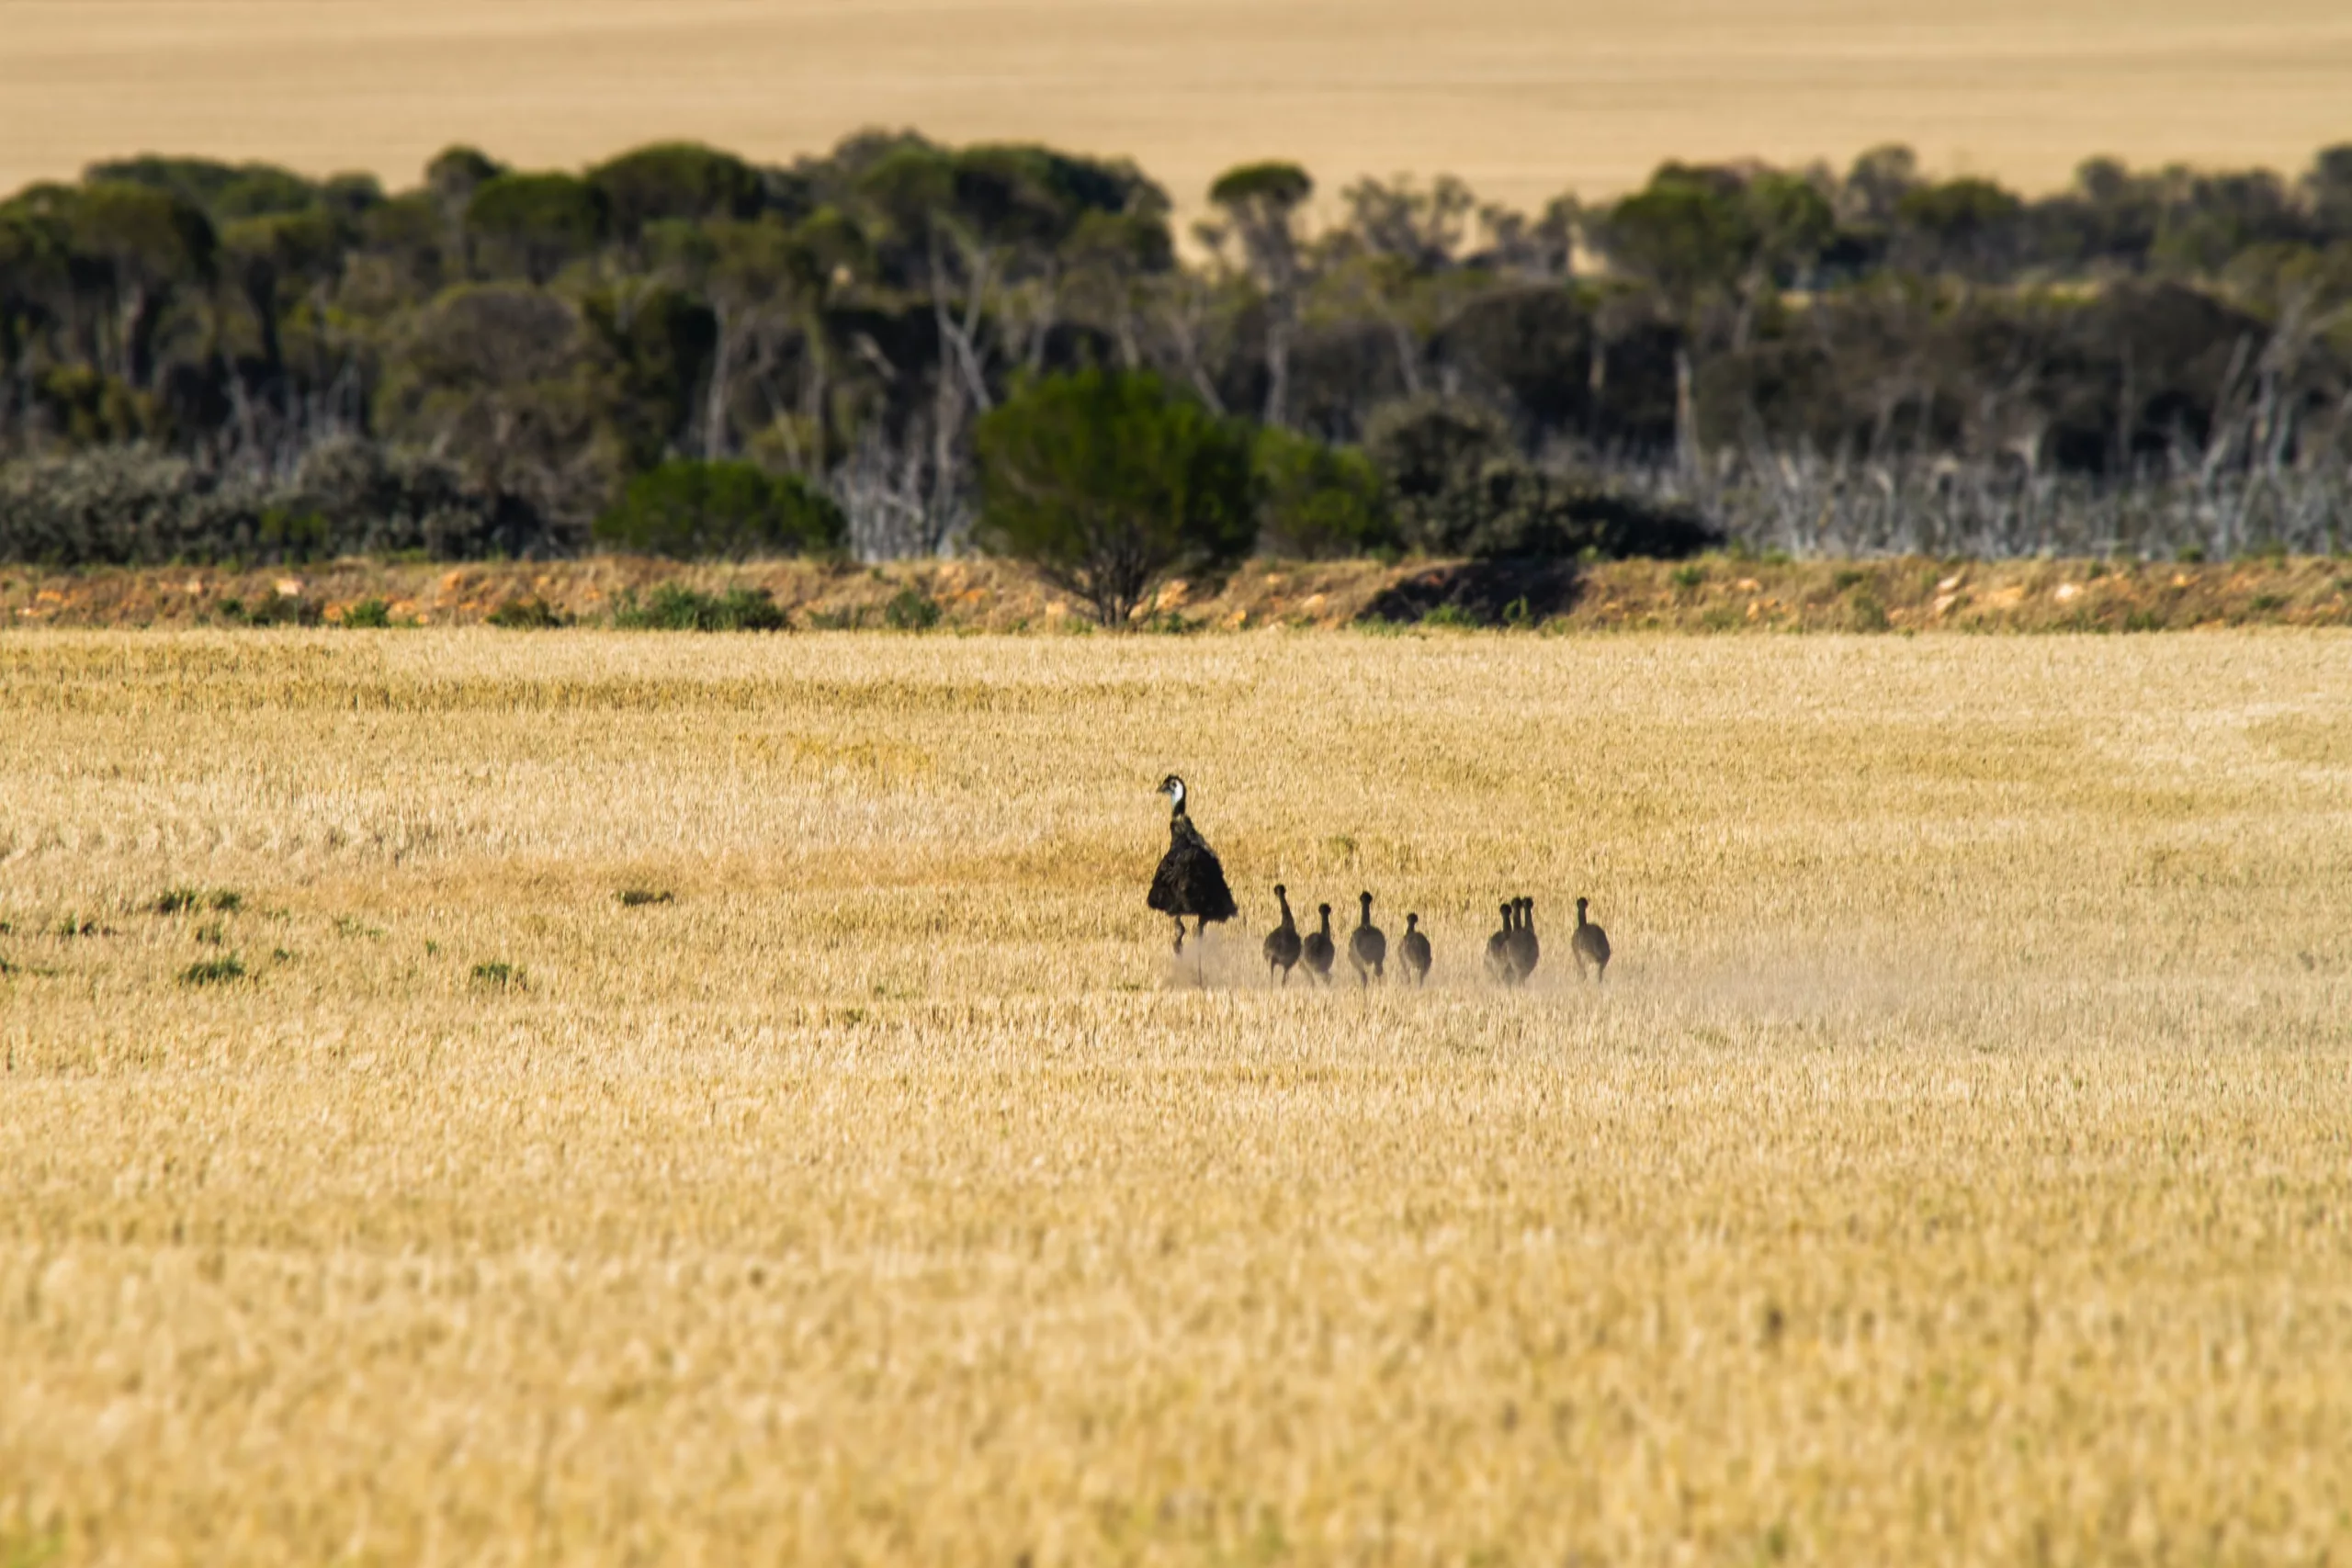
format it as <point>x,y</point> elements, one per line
<point>750,274</point>
<point>1967,227</point>
<point>674,180</point>
<point>1105,482</point>
<point>508,383</point>
<point>2328,188</point>
<point>143,246</point>
<point>1317,502</point>
<point>1687,234</point>
<point>534,224</point>
<point>1261,201</point>
<point>692,510</point>
<point>456,173</point>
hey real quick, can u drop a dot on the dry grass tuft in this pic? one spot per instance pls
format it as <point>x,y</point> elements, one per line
<point>1953,1168</point>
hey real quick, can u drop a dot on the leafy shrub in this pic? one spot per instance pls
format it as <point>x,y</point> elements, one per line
<point>1105,482</point>
<point>368,614</point>
<point>1318,503</point>
<point>533,613</point>
<point>1460,488</point>
<point>910,610</point>
<point>132,506</point>
<point>693,511</point>
<point>674,607</point>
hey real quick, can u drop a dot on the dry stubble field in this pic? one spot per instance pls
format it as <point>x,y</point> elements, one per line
<point>1958,1166</point>
<point>1525,98</point>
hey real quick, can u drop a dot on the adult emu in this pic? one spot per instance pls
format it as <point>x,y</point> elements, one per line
<point>1189,881</point>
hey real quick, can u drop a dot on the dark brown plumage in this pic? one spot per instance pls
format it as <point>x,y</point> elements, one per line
<point>1591,944</point>
<point>1281,942</point>
<point>1189,881</point>
<point>1318,950</point>
<point>1498,950</point>
<point>1525,951</point>
<point>1368,945</point>
<point>1414,950</point>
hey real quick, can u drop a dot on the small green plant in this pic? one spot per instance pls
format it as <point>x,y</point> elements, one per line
<point>848,619</point>
<point>213,933</point>
<point>1690,577</point>
<point>368,614</point>
<point>71,926</point>
<point>1519,615</point>
<point>2267,604</point>
<point>674,607</point>
<point>226,901</point>
<point>1167,623</point>
<point>529,615</point>
<point>2144,621</point>
<point>499,975</point>
<point>213,971</point>
<point>1451,616</point>
<point>910,610</point>
<point>352,925</point>
<point>2190,554</point>
<point>637,897</point>
<point>1848,578</point>
<point>178,901</point>
<point>1869,614</point>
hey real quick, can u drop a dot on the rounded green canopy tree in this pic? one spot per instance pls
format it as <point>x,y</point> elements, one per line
<point>1106,482</point>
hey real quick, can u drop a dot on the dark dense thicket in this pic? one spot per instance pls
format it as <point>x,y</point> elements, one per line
<point>200,360</point>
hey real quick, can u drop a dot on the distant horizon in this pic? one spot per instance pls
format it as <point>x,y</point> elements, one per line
<point>1523,102</point>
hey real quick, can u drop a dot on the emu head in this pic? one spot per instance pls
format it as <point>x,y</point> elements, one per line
<point>1173,788</point>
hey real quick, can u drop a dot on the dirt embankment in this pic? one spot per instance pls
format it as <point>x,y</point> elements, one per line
<point>1717,593</point>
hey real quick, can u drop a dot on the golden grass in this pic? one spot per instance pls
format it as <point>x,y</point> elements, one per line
<point>1955,1168</point>
<point>1525,98</point>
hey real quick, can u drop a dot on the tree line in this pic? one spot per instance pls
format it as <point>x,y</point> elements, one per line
<point>695,352</point>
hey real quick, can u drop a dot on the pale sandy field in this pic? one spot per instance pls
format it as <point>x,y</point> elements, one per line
<point>1523,97</point>
<point>1956,1166</point>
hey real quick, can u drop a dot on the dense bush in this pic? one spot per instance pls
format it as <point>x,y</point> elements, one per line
<point>131,506</point>
<point>1460,488</point>
<point>673,607</point>
<point>690,510</point>
<point>1318,503</point>
<point>1106,482</point>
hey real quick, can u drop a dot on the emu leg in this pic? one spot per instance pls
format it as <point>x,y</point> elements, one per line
<point>1180,933</point>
